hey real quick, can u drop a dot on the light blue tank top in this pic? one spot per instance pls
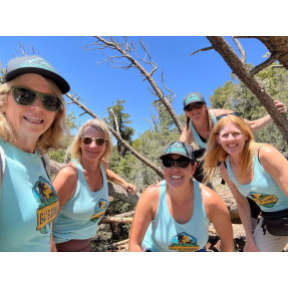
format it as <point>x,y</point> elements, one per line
<point>263,189</point>
<point>196,136</point>
<point>79,216</point>
<point>28,203</point>
<point>164,234</point>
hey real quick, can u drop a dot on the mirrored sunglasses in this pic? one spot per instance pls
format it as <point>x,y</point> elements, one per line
<point>25,96</point>
<point>190,107</point>
<point>182,162</point>
<point>98,140</point>
<point>238,114</point>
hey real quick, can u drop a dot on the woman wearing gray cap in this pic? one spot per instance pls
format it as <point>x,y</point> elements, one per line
<point>32,121</point>
<point>174,215</point>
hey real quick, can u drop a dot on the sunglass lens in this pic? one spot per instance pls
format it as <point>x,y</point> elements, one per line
<point>100,141</point>
<point>87,140</point>
<point>167,162</point>
<point>183,162</point>
<point>23,96</point>
<point>51,102</point>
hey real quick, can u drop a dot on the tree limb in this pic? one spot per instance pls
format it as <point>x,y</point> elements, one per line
<point>242,52</point>
<point>119,138</point>
<point>203,49</point>
<point>278,66</point>
<point>124,49</point>
<point>240,69</point>
<point>263,65</point>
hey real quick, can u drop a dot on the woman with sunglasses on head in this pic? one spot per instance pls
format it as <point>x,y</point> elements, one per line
<point>82,188</point>
<point>255,171</point>
<point>174,214</point>
<point>32,121</point>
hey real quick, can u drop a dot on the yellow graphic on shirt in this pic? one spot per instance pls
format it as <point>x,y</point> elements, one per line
<point>184,242</point>
<point>99,210</point>
<point>267,201</point>
<point>47,199</point>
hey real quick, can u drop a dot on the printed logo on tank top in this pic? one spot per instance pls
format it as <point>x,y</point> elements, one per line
<point>99,210</point>
<point>267,201</point>
<point>184,242</point>
<point>47,198</point>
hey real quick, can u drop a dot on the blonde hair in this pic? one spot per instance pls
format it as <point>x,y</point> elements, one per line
<point>102,128</point>
<point>209,121</point>
<point>52,137</point>
<point>216,153</point>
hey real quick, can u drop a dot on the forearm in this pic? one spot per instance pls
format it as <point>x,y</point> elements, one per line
<point>245,216</point>
<point>135,248</point>
<point>113,177</point>
<point>53,245</point>
<point>260,123</point>
<point>227,246</point>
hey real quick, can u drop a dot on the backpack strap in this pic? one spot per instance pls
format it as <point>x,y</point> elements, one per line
<point>2,167</point>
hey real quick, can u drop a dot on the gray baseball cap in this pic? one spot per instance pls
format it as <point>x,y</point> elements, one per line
<point>178,148</point>
<point>193,97</point>
<point>34,64</point>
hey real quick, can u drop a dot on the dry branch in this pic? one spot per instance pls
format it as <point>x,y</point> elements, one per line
<point>124,50</point>
<point>203,49</point>
<point>119,138</point>
<point>242,51</point>
<point>240,69</point>
<point>263,65</point>
<point>108,220</point>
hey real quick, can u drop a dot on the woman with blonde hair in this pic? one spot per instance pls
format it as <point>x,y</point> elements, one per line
<point>82,188</point>
<point>256,171</point>
<point>32,121</point>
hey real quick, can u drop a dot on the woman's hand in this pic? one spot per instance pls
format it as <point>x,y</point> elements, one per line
<point>130,188</point>
<point>280,106</point>
<point>250,247</point>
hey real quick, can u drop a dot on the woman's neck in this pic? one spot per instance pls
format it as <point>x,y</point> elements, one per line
<point>235,159</point>
<point>91,166</point>
<point>181,193</point>
<point>26,144</point>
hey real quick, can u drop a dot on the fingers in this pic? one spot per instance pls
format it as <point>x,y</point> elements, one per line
<point>280,106</point>
<point>131,189</point>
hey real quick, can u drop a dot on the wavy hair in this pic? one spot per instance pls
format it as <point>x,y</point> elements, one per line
<point>101,126</point>
<point>52,138</point>
<point>216,153</point>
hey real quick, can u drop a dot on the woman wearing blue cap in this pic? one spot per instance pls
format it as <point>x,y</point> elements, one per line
<point>32,121</point>
<point>174,215</point>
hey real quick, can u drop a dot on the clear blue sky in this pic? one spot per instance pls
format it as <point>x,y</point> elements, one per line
<point>101,85</point>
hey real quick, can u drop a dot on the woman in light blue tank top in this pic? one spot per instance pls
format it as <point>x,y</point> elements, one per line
<point>200,122</point>
<point>174,215</point>
<point>82,188</point>
<point>256,171</point>
<point>32,122</point>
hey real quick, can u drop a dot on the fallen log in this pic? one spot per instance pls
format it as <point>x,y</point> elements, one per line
<point>107,220</point>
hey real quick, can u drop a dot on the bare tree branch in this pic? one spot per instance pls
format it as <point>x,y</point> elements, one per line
<point>115,120</point>
<point>244,36</point>
<point>118,136</point>
<point>203,49</point>
<point>240,69</point>
<point>263,65</point>
<point>278,66</point>
<point>242,52</point>
<point>123,49</point>
<point>164,84</point>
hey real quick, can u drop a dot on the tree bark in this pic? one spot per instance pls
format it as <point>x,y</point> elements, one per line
<point>239,68</point>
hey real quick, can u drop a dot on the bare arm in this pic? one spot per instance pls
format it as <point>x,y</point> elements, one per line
<point>53,246</point>
<point>264,121</point>
<point>243,209</point>
<point>144,214</point>
<point>218,214</point>
<point>276,165</point>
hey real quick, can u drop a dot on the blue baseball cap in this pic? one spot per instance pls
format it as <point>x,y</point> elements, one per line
<point>178,148</point>
<point>193,97</point>
<point>34,64</point>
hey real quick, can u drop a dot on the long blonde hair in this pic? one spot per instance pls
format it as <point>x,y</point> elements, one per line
<point>52,137</point>
<point>102,128</point>
<point>216,153</point>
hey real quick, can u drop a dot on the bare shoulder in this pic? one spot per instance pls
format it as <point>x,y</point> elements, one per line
<point>269,157</point>
<point>218,112</point>
<point>152,192</point>
<point>68,171</point>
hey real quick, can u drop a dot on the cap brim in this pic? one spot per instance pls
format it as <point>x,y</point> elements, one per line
<point>62,84</point>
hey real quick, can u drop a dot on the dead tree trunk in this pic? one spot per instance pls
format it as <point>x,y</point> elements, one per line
<point>239,68</point>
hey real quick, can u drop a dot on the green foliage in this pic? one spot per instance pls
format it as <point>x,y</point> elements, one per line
<point>2,71</point>
<point>125,130</point>
<point>236,96</point>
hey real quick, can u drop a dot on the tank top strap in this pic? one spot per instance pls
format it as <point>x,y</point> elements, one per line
<point>196,136</point>
<point>230,172</point>
<point>214,120</point>
<point>199,210</point>
<point>162,199</point>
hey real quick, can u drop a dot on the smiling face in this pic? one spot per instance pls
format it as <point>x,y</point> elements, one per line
<point>197,113</point>
<point>176,176</point>
<point>231,138</point>
<point>29,122</point>
<point>92,151</point>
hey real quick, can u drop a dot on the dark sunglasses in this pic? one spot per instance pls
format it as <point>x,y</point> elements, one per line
<point>190,107</point>
<point>98,140</point>
<point>238,114</point>
<point>25,96</point>
<point>182,162</point>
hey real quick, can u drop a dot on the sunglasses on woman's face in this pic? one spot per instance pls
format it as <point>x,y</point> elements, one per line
<point>25,96</point>
<point>182,162</point>
<point>197,105</point>
<point>238,114</point>
<point>98,140</point>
